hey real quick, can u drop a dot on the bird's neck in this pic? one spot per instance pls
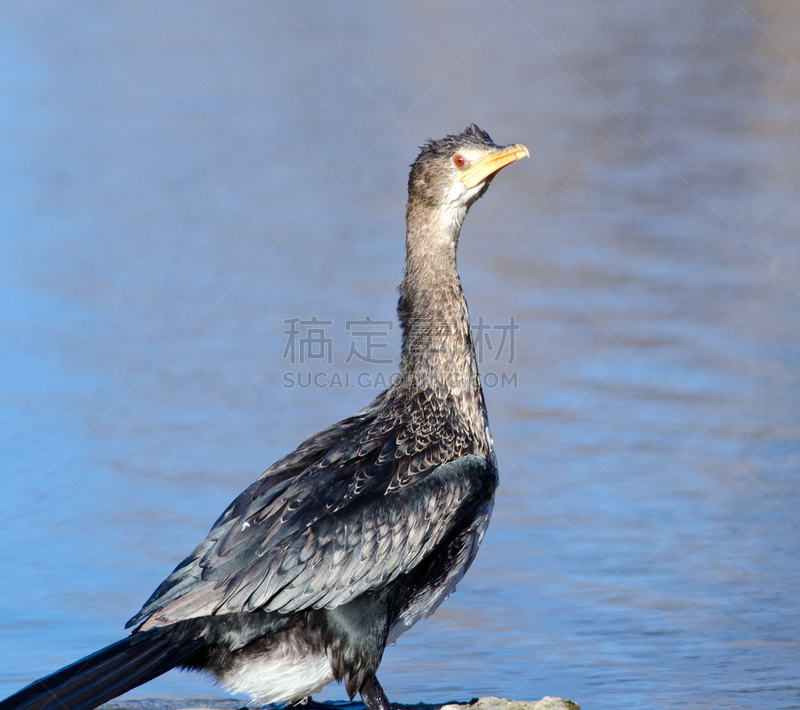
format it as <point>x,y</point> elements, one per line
<point>437,341</point>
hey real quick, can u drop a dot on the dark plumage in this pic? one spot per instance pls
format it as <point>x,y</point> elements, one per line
<point>365,528</point>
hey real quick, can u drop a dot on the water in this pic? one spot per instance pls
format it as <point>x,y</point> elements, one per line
<point>180,179</point>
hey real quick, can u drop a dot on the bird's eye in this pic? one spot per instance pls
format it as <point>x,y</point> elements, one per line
<point>459,161</point>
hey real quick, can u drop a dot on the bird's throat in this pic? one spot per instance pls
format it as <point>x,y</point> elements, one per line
<point>437,343</point>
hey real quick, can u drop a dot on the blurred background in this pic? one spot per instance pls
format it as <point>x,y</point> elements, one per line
<point>183,181</point>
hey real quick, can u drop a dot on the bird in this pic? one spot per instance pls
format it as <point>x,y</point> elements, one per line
<point>361,531</point>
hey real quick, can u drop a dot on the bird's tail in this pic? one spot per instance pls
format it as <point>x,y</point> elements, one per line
<point>104,674</point>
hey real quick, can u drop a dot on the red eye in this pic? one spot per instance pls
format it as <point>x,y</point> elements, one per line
<point>459,161</point>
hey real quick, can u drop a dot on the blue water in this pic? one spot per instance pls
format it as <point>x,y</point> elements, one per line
<point>180,179</point>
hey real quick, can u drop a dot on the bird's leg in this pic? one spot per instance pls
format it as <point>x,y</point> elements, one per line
<point>372,694</point>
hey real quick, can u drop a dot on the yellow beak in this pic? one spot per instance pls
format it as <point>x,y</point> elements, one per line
<point>492,163</point>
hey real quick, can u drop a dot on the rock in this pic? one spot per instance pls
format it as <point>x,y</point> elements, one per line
<point>546,703</point>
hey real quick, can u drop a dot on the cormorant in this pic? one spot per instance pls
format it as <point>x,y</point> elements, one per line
<point>364,529</point>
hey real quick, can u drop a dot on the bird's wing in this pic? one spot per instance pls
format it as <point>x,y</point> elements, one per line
<point>312,536</point>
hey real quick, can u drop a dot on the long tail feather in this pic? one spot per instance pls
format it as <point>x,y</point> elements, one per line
<point>105,674</point>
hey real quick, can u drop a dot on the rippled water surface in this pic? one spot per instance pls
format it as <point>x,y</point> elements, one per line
<point>179,179</point>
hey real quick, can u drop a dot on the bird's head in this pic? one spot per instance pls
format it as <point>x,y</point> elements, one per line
<point>451,173</point>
